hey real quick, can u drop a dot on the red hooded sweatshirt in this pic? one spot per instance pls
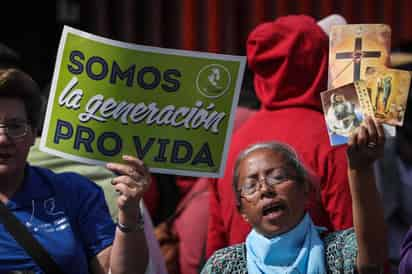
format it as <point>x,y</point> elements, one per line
<point>289,58</point>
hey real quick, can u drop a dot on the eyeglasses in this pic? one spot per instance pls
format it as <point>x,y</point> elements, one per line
<point>251,186</point>
<point>15,130</point>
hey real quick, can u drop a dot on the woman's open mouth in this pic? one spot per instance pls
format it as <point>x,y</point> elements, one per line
<point>4,156</point>
<point>273,210</point>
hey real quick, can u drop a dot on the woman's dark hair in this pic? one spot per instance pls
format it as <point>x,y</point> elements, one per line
<point>290,157</point>
<point>15,83</point>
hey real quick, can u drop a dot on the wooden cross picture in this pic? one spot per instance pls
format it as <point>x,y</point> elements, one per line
<point>355,47</point>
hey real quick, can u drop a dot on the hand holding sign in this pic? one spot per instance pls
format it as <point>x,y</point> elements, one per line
<point>133,181</point>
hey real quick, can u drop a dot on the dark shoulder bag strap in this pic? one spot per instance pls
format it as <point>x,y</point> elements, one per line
<point>28,242</point>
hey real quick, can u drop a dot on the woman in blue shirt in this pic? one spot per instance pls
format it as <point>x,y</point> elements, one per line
<point>65,212</point>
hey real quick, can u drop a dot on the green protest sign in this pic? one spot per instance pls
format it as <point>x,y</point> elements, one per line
<point>172,108</point>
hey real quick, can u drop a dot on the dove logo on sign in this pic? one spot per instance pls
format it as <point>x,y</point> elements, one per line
<point>213,81</point>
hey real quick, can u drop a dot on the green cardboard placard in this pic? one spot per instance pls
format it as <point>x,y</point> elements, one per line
<point>172,108</point>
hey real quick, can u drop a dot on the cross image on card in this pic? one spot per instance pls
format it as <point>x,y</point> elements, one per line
<point>353,48</point>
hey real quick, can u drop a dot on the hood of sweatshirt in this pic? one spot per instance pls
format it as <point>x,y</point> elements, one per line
<point>289,59</point>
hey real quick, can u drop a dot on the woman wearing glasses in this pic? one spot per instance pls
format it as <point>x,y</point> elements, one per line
<point>66,213</point>
<point>271,187</point>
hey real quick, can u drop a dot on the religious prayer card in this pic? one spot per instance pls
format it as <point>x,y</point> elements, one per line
<point>388,90</point>
<point>174,109</point>
<point>344,109</point>
<point>353,48</point>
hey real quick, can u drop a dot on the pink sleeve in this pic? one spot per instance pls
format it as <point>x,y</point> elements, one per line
<point>216,234</point>
<point>156,260</point>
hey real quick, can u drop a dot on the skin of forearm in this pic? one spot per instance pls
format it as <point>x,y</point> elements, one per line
<point>367,214</point>
<point>131,243</point>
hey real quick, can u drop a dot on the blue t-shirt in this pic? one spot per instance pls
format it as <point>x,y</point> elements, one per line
<point>66,213</point>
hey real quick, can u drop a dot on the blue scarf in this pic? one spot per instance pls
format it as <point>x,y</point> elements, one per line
<point>297,251</point>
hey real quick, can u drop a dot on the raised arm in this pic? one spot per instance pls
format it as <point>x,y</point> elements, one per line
<point>129,252</point>
<point>364,147</point>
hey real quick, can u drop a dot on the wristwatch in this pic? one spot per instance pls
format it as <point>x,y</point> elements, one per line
<point>126,228</point>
